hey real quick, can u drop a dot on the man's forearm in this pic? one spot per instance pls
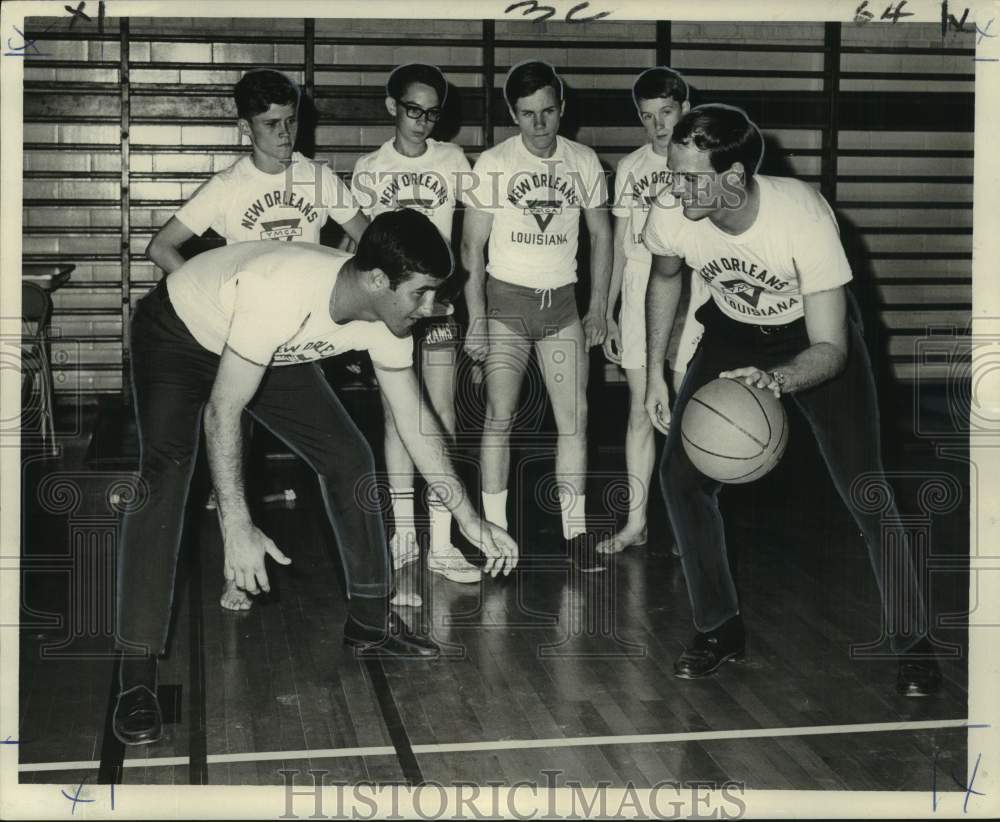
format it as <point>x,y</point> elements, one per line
<point>815,365</point>
<point>662,296</point>
<point>165,257</point>
<point>600,273</point>
<point>474,262</point>
<point>224,439</point>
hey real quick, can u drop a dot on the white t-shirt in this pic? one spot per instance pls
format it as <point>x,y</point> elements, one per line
<point>640,177</point>
<point>535,203</point>
<point>243,203</point>
<point>760,276</point>
<point>271,305</point>
<point>386,180</point>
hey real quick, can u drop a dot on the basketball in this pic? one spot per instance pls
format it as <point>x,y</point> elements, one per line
<point>734,432</point>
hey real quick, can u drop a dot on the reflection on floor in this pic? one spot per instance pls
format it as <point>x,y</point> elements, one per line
<point>546,670</point>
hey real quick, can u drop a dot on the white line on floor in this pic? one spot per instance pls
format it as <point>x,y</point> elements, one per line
<point>518,744</point>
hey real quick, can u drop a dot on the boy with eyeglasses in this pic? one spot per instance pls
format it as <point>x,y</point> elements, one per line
<point>412,170</point>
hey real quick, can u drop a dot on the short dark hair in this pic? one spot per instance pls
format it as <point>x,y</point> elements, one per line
<point>258,89</point>
<point>402,243</point>
<point>659,81</point>
<point>528,77</point>
<point>725,132</point>
<point>402,77</point>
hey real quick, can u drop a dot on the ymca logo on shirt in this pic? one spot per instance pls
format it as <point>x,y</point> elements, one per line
<point>281,229</point>
<point>543,197</point>
<point>743,290</point>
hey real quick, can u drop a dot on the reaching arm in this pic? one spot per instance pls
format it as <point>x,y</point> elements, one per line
<point>595,321</point>
<point>355,227</point>
<point>424,440</point>
<point>163,249</point>
<point>236,381</point>
<point>662,296</point>
<point>475,232</point>
<point>613,342</point>
<point>824,359</point>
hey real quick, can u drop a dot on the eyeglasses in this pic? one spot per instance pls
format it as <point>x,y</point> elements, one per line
<point>415,112</point>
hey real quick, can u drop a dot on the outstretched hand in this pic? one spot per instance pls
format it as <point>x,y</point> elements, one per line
<point>245,549</point>
<point>497,545</point>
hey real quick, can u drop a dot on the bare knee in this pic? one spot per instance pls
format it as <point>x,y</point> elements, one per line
<point>499,416</point>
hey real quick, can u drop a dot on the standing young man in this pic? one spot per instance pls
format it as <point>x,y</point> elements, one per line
<point>242,327</point>
<point>661,98</point>
<point>769,250</point>
<point>529,194</point>
<point>414,171</point>
<point>276,193</point>
<point>273,194</point>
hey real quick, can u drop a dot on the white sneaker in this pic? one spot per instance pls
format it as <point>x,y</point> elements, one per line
<point>451,564</point>
<point>406,599</point>
<point>404,549</point>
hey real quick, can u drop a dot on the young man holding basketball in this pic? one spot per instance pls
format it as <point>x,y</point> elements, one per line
<point>274,194</point>
<point>661,99</point>
<point>242,328</point>
<point>414,171</point>
<point>769,250</point>
<point>530,193</point>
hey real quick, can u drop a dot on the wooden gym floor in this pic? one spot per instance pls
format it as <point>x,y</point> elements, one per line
<point>543,671</point>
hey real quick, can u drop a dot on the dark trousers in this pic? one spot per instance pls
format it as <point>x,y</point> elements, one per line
<point>172,377</point>
<point>843,416</point>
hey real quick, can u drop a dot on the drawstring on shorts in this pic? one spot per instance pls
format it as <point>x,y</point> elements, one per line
<point>545,292</point>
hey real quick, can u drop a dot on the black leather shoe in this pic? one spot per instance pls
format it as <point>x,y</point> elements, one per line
<point>582,552</point>
<point>137,718</point>
<point>393,639</point>
<point>918,674</point>
<point>709,651</point>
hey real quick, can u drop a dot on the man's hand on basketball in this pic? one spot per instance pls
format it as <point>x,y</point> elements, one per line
<point>477,342</point>
<point>496,544</point>
<point>595,328</point>
<point>245,548</point>
<point>613,343</point>
<point>752,375</point>
<point>658,404</point>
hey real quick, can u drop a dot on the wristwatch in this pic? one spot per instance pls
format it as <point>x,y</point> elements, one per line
<point>779,377</point>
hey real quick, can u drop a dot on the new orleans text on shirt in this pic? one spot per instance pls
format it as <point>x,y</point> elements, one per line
<point>277,198</point>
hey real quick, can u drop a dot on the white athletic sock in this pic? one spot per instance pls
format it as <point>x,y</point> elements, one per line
<point>440,518</point>
<point>495,508</point>
<point>402,511</point>
<point>574,507</point>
